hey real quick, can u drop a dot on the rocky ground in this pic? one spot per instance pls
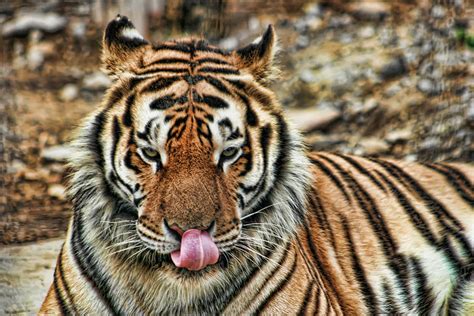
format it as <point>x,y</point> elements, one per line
<point>365,77</point>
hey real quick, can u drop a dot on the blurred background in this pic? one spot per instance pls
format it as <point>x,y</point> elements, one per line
<point>368,77</point>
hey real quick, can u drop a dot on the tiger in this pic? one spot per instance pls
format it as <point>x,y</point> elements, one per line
<point>193,194</point>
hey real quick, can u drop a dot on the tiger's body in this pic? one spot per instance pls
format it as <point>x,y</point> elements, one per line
<point>297,233</point>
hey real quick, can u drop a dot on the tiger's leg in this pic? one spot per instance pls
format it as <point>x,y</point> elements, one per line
<point>462,299</point>
<point>50,305</point>
<point>58,301</point>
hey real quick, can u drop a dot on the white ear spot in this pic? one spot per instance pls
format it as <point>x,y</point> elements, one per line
<point>131,33</point>
<point>257,40</point>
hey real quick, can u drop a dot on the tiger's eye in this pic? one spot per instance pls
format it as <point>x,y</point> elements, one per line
<point>150,153</point>
<point>229,152</point>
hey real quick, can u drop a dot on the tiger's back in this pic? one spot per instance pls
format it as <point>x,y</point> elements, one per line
<point>191,148</point>
<point>399,236</point>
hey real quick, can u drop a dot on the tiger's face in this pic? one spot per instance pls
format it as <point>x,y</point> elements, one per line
<point>192,147</point>
<point>189,152</point>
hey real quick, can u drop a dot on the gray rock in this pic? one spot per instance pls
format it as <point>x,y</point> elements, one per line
<point>307,76</point>
<point>302,41</point>
<point>373,145</point>
<point>392,90</point>
<point>324,142</point>
<point>58,191</point>
<point>366,32</point>
<point>69,92</point>
<point>340,21</point>
<point>35,58</point>
<point>96,81</point>
<point>438,12</point>
<point>394,68</point>
<point>26,272</point>
<point>79,30</point>
<point>428,87</point>
<point>23,24</point>
<point>58,153</point>
<point>398,135</point>
<point>370,10</point>
<point>229,43</point>
<point>312,118</point>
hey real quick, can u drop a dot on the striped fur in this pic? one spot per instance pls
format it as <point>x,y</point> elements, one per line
<point>298,233</point>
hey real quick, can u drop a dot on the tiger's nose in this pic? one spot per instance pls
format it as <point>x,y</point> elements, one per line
<point>174,228</point>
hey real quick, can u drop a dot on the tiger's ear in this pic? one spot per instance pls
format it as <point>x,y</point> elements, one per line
<point>122,46</point>
<point>258,57</point>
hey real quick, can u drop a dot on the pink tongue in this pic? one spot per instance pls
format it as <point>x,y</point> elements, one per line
<point>197,250</point>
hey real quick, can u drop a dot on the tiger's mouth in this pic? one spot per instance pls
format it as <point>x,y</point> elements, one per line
<point>193,249</point>
<point>197,250</point>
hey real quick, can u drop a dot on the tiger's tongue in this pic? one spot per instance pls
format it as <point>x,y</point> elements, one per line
<point>197,250</point>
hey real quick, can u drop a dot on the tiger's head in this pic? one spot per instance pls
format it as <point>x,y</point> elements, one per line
<point>190,157</point>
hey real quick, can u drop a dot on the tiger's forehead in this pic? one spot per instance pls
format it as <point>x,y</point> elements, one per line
<point>189,84</point>
<point>195,56</point>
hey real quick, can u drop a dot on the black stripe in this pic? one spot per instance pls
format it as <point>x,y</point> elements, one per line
<point>458,294</point>
<point>390,302</point>
<point>258,269</point>
<point>162,103</point>
<point>127,115</point>
<point>115,95</point>
<point>223,71</point>
<point>333,178</point>
<point>95,143</point>
<point>362,170</point>
<point>321,217</point>
<point>86,265</point>
<point>397,264</point>
<point>59,298</point>
<point>212,60</point>
<point>456,179</point>
<point>65,285</point>
<point>365,288</point>
<point>128,162</point>
<point>415,217</point>
<point>368,205</point>
<point>451,255</point>
<point>250,116</point>
<point>247,155</point>
<point>216,83</point>
<point>430,202</point>
<point>282,161</point>
<point>116,135</point>
<point>265,135</point>
<point>424,295</point>
<point>160,70</point>
<point>328,284</point>
<point>281,285</point>
<point>318,302</point>
<point>169,61</point>
<point>180,47</point>
<point>465,181</point>
<point>240,85</point>
<point>308,264</point>
<point>213,102</point>
<point>145,135</point>
<point>225,122</point>
<point>160,84</point>
<point>306,300</point>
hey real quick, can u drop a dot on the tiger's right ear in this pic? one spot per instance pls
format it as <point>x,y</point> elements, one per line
<point>122,46</point>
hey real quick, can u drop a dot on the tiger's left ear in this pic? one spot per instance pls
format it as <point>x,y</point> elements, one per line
<point>258,57</point>
<point>122,46</point>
